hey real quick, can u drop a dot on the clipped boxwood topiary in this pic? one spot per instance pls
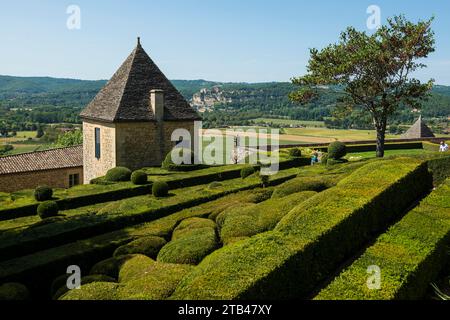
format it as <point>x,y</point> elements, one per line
<point>110,267</point>
<point>336,150</point>
<point>13,291</point>
<point>187,163</point>
<point>85,280</point>
<point>148,246</point>
<point>47,209</point>
<point>139,177</point>
<point>118,174</point>
<point>160,189</point>
<point>93,291</point>
<point>247,171</point>
<point>295,153</point>
<point>332,162</point>
<point>43,193</point>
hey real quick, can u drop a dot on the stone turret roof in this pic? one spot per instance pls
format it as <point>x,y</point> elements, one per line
<point>126,97</point>
<point>418,130</point>
<point>70,157</point>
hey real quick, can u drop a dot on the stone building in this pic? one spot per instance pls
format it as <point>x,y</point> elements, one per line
<point>418,130</point>
<point>130,121</point>
<point>59,168</point>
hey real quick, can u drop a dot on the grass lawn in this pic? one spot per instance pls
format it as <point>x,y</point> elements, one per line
<point>332,134</point>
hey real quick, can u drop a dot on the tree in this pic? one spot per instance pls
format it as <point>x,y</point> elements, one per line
<point>372,73</point>
<point>40,132</point>
<point>68,139</point>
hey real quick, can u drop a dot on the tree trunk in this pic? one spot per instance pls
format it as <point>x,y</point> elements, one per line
<point>381,133</point>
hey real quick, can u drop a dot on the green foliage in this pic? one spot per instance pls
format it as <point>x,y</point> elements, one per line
<point>139,177</point>
<point>68,139</point>
<point>247,171</point>
<point>157,283</point>
<point>187,161</point>
<point>135,267</point>
<point>93,291</point>
<point>332,162</point>
<point>47,209</point>
<point>84,281</point>
<point>410,254</point>
<point>160,189</point>
<point>118,174</point>
<point>13,291</point>
<point>110,267</point>
<point>376,86</point>
<point>265,179</point>
<point>317,183</point>
<point>337,150</point>
<point>284,263</point>
<point>5,148</point>
<point>43,193</point>
<point>241,222</point>
<point>148,246</point>
<point>295,153</point>
<point>192,240</point>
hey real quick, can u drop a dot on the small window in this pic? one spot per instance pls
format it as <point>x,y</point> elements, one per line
<point>74,180</point>
<point>97,143</point>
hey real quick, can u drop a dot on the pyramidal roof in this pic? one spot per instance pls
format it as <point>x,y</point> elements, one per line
<point>418,130</point>
<point>126,97</point>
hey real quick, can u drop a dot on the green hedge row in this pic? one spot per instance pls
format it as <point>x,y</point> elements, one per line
<point>82,227</point>
<point>440,168</point>
<point>79,201</point>
<point>353,148</point>
<point>133,191</point>
<point>410,255</point>
<point>312,239</point>
<point>85,253</point>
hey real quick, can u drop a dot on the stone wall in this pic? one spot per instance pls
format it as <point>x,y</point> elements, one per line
<point>94,167</point>
<point>58,178</point>
<point>145,144</point>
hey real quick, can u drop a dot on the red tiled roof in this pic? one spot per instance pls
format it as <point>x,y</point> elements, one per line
<point>42,160</point>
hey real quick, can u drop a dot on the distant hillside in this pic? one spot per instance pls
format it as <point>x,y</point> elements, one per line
<point>27,100</point>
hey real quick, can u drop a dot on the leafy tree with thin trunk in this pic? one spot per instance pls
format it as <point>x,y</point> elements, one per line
<point>372,73</point>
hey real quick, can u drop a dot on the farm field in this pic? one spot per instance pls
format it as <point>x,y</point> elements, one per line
<point>220,236</point>
<point>289,122</point>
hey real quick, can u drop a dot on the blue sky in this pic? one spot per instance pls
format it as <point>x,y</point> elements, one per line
<point>222,40</point>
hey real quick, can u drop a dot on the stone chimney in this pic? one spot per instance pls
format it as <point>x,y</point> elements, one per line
<point>157,103</point>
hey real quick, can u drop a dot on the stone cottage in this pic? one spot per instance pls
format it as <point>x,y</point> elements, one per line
<point>130,121</point>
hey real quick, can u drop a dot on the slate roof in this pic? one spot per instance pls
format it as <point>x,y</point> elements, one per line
<point>126,97</point>
<point>70,157</point>
<point>418,130</point>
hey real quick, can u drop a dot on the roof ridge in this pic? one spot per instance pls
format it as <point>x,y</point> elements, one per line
<point>39,151</point>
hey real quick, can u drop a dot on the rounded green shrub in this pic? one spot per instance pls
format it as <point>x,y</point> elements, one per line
<point>186,226</point>
<point>184,153</point>
<point>191,248</point>
<point>47,209</point>
<point>110,267</point>
<point>118,174</point>
<point>135,267</point>
<point>160,189</point>
<point>157,283</point>
<point>215,185</point>
<point>139,177</point>
<point>148,246</point>
<point>93,291</point>
<point>336,150</point>
<point>295,153</point>
<point>13,291</point>
<point>247,171</point>
<point>85,280</point>
<point>43,193</point>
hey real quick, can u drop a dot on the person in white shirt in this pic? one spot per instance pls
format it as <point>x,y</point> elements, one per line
<point>443,147</point>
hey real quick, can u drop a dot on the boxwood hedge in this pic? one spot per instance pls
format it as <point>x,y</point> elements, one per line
<point>410,255</point>
<point>148,246</point>
<point>313,239</point>
<point>317,183</point>
<point>192,240</point>
<point>251,220</point>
